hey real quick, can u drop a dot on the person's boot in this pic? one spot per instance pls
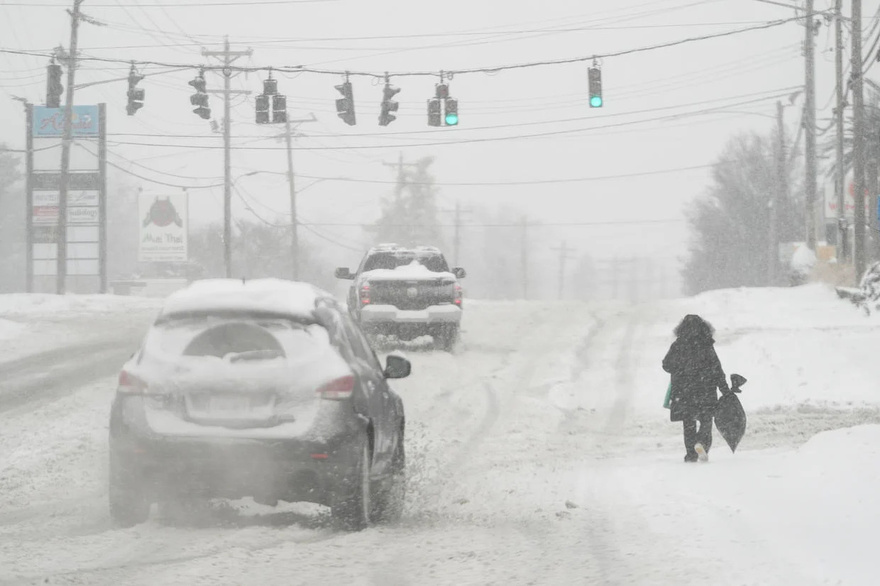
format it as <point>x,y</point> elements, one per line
<point>702,454</point>
<point>691,457</point>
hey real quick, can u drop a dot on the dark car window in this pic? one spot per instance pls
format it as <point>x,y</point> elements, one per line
<point>391,260</point>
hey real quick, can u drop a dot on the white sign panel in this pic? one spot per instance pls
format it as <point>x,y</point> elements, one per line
<point>849,200</point>
<point>74,198</point>
<point>163,233</point>
<point>82,215</point>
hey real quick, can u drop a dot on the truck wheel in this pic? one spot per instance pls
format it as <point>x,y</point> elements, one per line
<point>448,337</point>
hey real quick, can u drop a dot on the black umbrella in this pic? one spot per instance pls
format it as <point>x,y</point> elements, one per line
<point>730,417</point>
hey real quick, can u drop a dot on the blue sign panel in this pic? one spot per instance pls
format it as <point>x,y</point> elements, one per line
<point>50,121</point>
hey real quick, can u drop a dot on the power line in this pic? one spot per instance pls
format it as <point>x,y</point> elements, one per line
<point>490,70</point>
<point>174,5</point>
<point>468,140</point>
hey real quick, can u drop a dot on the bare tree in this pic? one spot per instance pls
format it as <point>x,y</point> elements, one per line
<point>731,224</point>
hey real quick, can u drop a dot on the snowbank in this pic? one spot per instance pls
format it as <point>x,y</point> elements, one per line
<point>32,323</point>
<point>36,304</point>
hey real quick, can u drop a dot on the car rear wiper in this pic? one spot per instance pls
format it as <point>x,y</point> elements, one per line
<point>254,355</point>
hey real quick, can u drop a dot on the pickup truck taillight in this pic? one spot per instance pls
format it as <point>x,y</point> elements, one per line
<point>365,294</point>
<point>458,294</point>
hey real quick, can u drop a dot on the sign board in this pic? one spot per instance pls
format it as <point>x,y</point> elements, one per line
<point>50,121</point>
<point>164,227</point>
<point>51,181</point>
<point>849,200</point>
<point>82,215</point>
<point>46,234</point>
<point>74,198</point>
<point>45,215</point>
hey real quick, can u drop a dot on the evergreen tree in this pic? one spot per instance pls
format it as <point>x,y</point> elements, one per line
<point>410,216</point>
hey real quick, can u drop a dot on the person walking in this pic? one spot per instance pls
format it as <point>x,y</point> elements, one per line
<point>696,376</point>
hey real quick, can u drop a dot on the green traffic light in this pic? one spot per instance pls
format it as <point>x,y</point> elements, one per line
<point>451,119</point>
<point>596,102</point>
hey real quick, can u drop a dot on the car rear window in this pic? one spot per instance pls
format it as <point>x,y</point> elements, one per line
<point>391,260</point>
<point>235,338</point>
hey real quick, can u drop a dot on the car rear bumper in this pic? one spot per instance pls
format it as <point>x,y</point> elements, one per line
<point>306,468</point>
<point>435,314</point>
<point>292,471</point>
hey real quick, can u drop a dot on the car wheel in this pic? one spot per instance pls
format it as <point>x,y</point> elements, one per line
<point>353,503</point>
<point>128,500</point>
<point>391,498</point>
<point>448,337</point>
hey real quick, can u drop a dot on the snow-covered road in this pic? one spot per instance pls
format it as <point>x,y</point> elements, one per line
<point>538,454</point>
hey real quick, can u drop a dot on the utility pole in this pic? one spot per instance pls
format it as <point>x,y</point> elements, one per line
<point>294,219</point>
<point>779,195</point>
<point>564,256</point>
<point>858,140</point>
<point>840,175</point>
<point>456,239</point>
<point>61,271</point>
<point>524,257</point>
<point>229,57</point>
<point>810,126</point>
<point>401,178</point>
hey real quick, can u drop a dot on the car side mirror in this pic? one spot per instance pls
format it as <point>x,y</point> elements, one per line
<point>397,366</point>
<point>459,273</point>
<point>736,382</point>
<point>344,273</point>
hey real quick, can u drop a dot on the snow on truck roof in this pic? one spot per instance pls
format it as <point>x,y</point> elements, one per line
<point>275,296</point>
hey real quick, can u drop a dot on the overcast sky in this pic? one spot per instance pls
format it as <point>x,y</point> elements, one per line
<point>523,125</point>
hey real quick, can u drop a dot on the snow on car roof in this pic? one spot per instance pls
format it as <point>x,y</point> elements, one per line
<point>413,270</point>
<point>259,295</point>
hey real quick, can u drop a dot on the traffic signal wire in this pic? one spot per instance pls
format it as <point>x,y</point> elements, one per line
<point>449,73</point>
<point>569,131</point>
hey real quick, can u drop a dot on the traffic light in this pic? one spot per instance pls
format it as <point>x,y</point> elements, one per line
<point>135,94</point>
<point>442,109</point>
<point>200,98</point>
<point>54,89</point>
<point>279,109</point>
<point>262,109</point>
<point>434,114</point>
<point>279,103</point>
<point>345,104</point>
<point>595,77</point>
<point>451,117</point>
<point>388,105</point>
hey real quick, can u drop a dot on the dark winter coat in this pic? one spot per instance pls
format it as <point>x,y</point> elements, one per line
<point>695,369</point>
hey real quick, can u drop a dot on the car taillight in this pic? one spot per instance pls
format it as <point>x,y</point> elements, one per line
<point>130,384</point>
<point>365,294</point>
<point>338,389</point>
<point>458,294</point>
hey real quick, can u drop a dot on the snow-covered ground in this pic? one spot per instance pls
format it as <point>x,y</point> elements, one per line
<point>538,454</point>
<point>35,323</point>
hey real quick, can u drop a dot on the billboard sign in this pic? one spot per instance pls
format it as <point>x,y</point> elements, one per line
<point>50,121</point>
<point>164,224</point>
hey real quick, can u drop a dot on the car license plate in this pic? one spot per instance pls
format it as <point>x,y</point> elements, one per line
<point>229,405</point>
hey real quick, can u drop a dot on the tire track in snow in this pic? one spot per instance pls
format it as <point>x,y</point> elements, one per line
<point>55,373</point>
